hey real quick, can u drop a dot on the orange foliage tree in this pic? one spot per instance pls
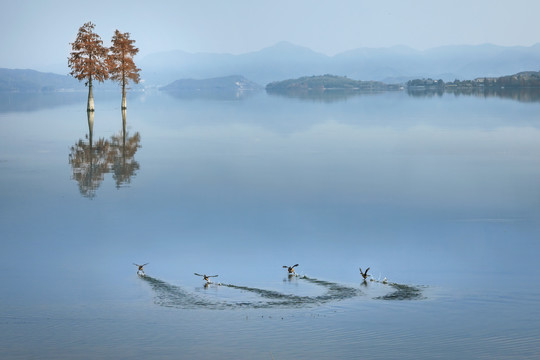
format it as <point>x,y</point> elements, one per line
<point>120,62</point>
<point>88,59</point>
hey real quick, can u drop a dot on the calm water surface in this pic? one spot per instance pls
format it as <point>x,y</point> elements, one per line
<point>440,195</point>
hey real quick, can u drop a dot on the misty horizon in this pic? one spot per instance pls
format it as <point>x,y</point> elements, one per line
<point>39,35</point>
<point>49,67</point>
<point>42,65</point>
<point>396,64</point>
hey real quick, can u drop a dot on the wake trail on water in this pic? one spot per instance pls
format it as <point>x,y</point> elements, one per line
<point>403,292</point>
<point>334,292</point>
<point>169,295</point>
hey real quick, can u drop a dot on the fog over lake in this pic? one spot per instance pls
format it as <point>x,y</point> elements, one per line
<point>437,194</point>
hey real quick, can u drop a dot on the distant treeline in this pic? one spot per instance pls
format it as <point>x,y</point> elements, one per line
<point>527,79</point>
<point>327,82</point>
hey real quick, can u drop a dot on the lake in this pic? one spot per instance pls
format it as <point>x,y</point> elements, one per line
<point>438,195</point>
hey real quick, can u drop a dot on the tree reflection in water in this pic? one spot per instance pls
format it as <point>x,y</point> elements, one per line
<point>122,152</point>
<point>91,161</point>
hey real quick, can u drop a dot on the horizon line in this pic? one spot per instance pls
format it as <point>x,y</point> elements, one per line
<point>287,42</point>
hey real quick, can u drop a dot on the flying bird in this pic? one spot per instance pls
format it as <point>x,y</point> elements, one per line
<point>206,277</point>
<point>140,270</point>
<point>364,273</point>
<point>290,269</point>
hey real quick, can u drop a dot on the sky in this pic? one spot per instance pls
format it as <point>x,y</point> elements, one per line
<point>35,34</point>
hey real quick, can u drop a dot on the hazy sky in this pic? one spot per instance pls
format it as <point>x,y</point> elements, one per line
<point>39,31</point>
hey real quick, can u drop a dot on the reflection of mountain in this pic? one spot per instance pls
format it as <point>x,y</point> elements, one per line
<point>323,96</point>
<point>19,101</point>
<point>233,87</point>
<point>91,161</point>
<point>212,94</point>
<point>518,94</point>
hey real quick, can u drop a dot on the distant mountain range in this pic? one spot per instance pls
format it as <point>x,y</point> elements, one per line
<point>391,65</point>
<point>17,80</point>
<point>287,61</point>
<point>226,83</point>
<point>26,80</point>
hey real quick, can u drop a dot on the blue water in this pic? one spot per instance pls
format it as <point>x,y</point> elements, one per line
<point>440,195</point>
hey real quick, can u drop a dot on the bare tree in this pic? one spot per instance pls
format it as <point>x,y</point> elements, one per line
<point>88,59</point>
<point>120,62</point>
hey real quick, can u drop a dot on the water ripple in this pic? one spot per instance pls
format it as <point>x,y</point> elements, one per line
<point>403,292</point>
<point>169,295</point>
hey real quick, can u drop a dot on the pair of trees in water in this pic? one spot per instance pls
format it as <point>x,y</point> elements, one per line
<point>90,60</point>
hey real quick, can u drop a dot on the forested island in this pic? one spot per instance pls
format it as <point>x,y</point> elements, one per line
<point>526,79</point>
<point>328,82</point>
<point>523,86</point>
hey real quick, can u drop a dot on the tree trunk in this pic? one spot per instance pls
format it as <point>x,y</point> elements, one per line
<point>90,106</point>
<point>124,103</point>
<point>90,115</point>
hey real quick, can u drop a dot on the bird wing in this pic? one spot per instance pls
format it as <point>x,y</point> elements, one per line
<point>361,272</point>
<point>136,264</point>
<point>367,270</point>
<point>213,275</point>
<point>145,264</point>
<point>294,266</point>
<point>285,266</point>
<point>198,274</point>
